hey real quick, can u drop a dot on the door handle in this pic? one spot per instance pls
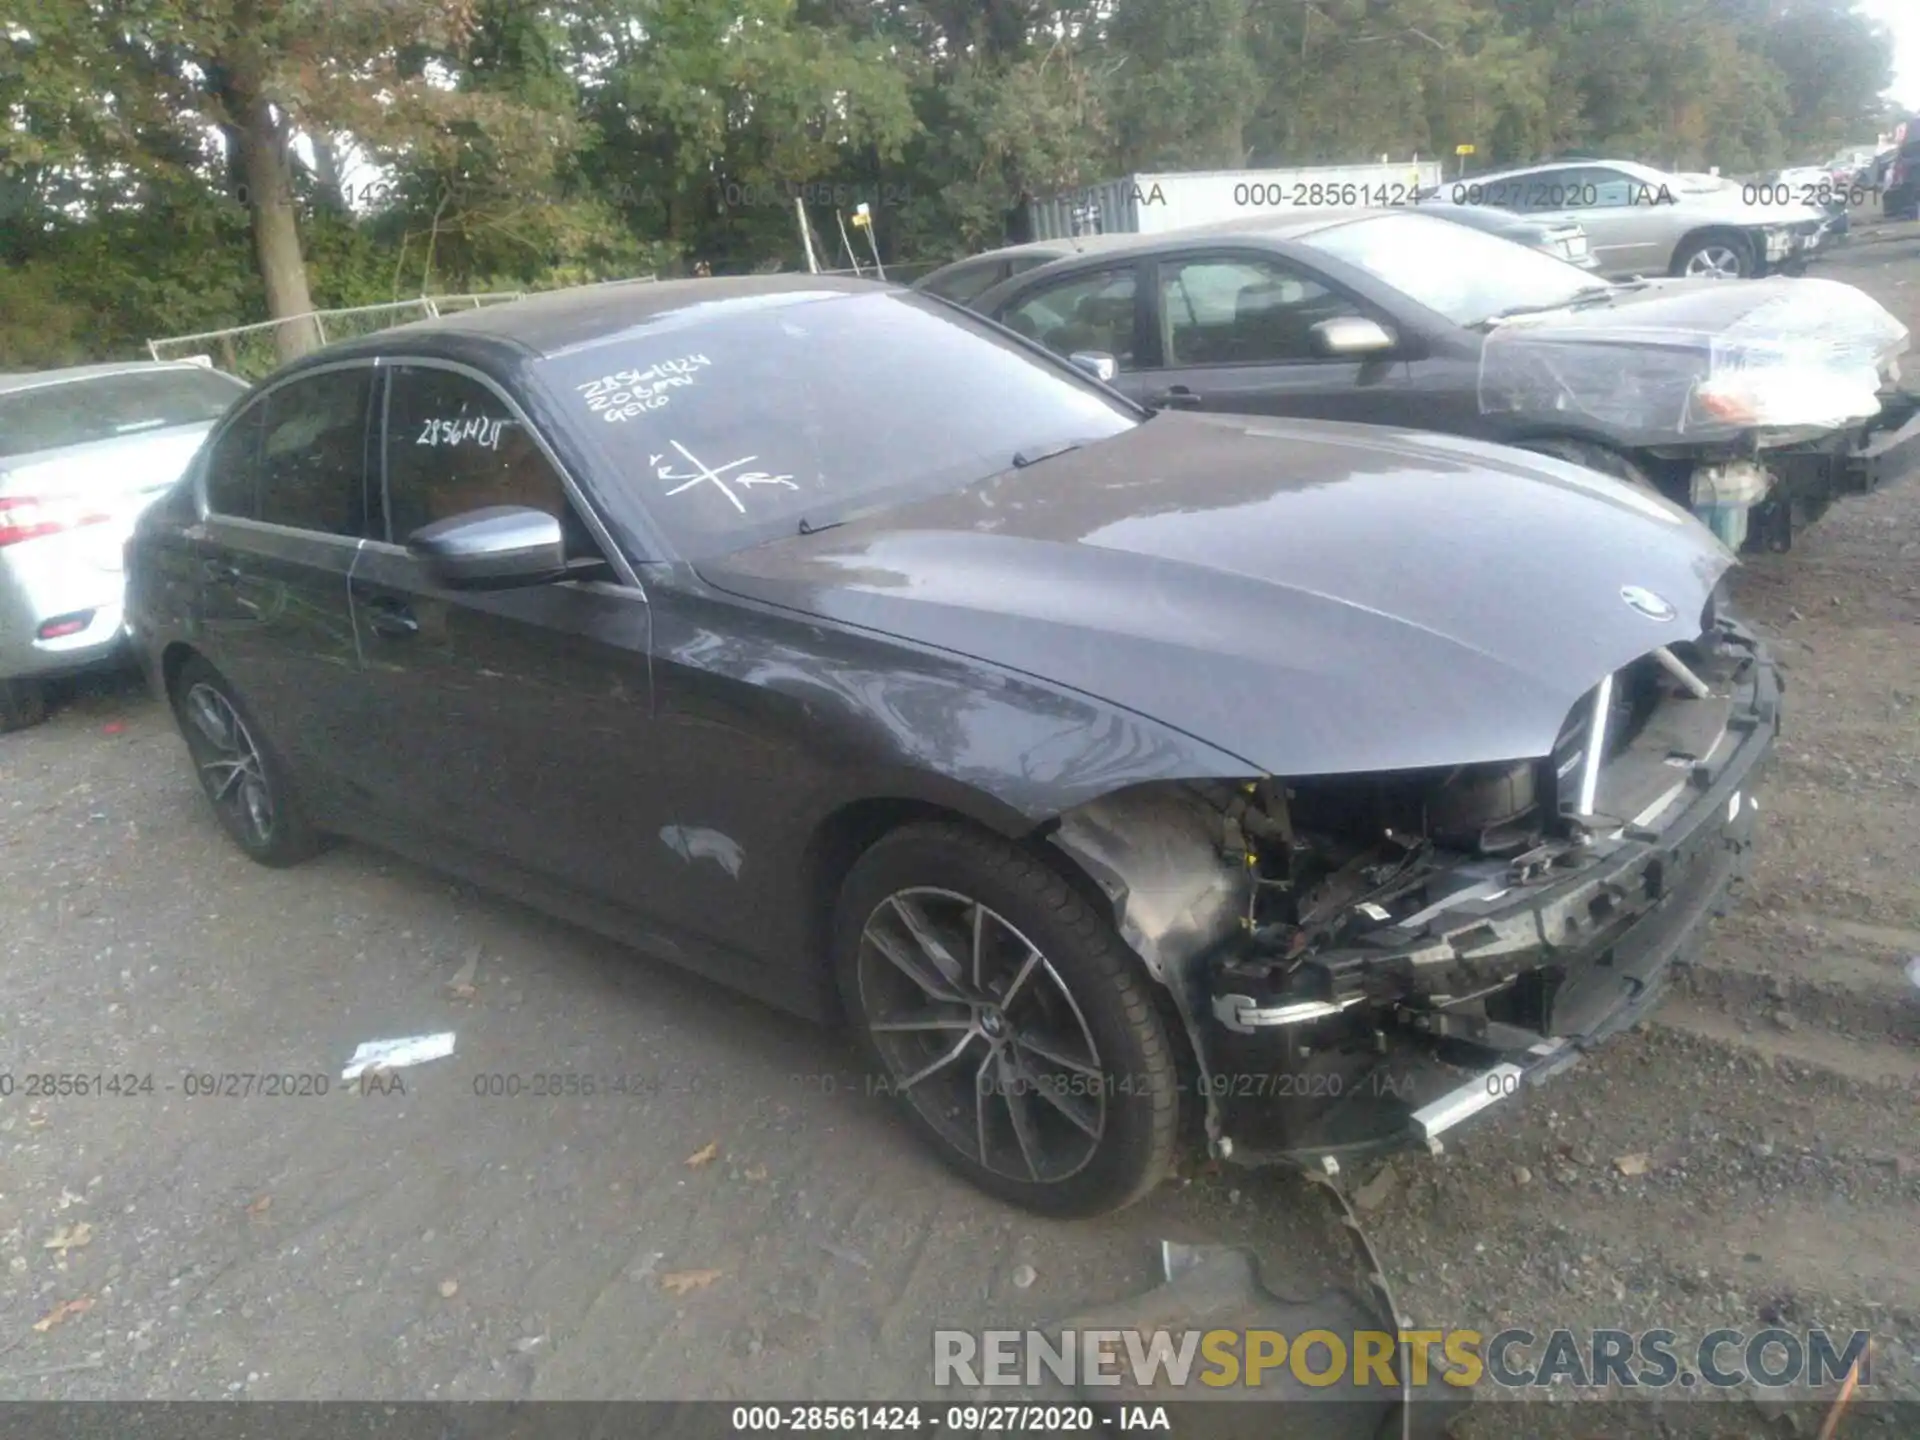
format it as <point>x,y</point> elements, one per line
<point>218,572</point>
<point>1179,397</point>
<point>391,617</point>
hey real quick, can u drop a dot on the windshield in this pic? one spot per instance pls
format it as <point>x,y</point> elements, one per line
<point>105,407</point>
<point>734,430</point>
<point>1464,274</point>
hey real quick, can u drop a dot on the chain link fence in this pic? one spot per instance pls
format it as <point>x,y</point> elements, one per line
<point>253,351</point>
<point>903,273</point>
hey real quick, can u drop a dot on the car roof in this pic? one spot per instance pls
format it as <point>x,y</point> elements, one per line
<point>1268,226</point>
<point>1056,249</point>
<point>13,382</point>
<point>1491,215</point>
<point>1632,167</point>
<point>1267,223</point>
<point>553,321</point>
<point>1258,229</point>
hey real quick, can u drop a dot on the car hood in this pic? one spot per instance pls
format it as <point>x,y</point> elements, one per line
<point>1313,598</point>
<point>1807,353</point>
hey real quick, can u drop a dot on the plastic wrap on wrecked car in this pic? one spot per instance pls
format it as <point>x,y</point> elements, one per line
<point>1809,354</point>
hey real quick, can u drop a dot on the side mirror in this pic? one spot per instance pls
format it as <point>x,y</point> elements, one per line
<point>499,548</point>
<point>1349,336</point>
<point>1097,363</point>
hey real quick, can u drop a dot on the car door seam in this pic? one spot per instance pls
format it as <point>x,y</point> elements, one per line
<point>353,610</point>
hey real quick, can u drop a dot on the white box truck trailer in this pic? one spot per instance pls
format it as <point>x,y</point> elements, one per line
<point>1148,203</point>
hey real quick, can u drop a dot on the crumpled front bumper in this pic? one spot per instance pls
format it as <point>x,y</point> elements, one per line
<point>1883,455</point>
<point>1392,1057</point>
<point>1853,461</point>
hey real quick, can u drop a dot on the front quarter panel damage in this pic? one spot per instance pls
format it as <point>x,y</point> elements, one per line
<point>1155,851</point>
<point>1351,958</point>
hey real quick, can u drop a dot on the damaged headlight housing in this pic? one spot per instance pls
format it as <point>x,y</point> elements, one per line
<point>1810,354</point>
<point>1813,356</point>
<point>1787,393</point>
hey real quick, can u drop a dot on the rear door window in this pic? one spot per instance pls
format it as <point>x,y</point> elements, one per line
<point>1597,188</point>
<point>1537,192</point>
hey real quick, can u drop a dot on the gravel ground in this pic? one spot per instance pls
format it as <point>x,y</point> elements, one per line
<point>744,1223</point>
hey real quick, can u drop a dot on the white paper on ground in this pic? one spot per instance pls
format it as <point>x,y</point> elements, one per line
<point>391,1054</point>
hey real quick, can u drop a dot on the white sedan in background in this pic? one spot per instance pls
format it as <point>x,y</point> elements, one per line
<point>82,452</point>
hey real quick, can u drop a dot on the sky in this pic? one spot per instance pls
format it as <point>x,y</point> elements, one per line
<point>1902,17</point>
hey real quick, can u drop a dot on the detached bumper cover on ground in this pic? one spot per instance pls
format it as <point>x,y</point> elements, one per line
<point>1421,1023</point>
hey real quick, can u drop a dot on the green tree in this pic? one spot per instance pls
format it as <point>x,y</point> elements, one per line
<point>1356,79</point>
<point>1834,65</point>
<point>1187,87</point>
<point>706,114</point>
<point>138,86</point>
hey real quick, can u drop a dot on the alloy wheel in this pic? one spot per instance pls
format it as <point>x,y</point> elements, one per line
<point>1721,262</point>
<point>230,764</point>
<point>981,1035</point>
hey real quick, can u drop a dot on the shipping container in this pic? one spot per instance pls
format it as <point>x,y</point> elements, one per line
<point>1149,203</point>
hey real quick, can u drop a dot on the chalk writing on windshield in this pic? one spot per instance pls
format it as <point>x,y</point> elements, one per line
<point>627,393</point>
<point>698,472</point>
<point>476,429</point>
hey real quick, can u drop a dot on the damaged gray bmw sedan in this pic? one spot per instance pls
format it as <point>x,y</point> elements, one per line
<point>1323,784</point>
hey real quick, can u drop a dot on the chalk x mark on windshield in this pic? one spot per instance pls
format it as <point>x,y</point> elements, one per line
<point>704,474</point>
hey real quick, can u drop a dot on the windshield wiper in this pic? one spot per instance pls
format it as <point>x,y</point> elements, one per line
<point>810,529</point>
<point>1024,458</point>
<point>1580,299</point>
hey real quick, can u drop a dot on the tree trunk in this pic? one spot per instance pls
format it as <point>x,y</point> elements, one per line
<point>326,172</point>
<point>266,171</point>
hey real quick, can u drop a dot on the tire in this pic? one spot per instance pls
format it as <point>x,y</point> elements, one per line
<point>246,782</point>
<point>23,703</point>
<point>1594,457</point>
<point>1080,1114</point>
<point>1729,255</point>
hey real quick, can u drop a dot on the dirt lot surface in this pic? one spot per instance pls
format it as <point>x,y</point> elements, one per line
<point>1749,1157</point>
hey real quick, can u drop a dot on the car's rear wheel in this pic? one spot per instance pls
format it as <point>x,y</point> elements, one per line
<point>246,782</point>
<point>1017,1031</point>
<point>22,703</point>
<point>1722,256</point>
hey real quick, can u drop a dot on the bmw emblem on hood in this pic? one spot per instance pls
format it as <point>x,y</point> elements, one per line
<point>1647,603</point>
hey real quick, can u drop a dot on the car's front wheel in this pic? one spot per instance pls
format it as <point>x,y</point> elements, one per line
<point>245,780</point>
<point>1718,256</point>
<point>1016,1030</point>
